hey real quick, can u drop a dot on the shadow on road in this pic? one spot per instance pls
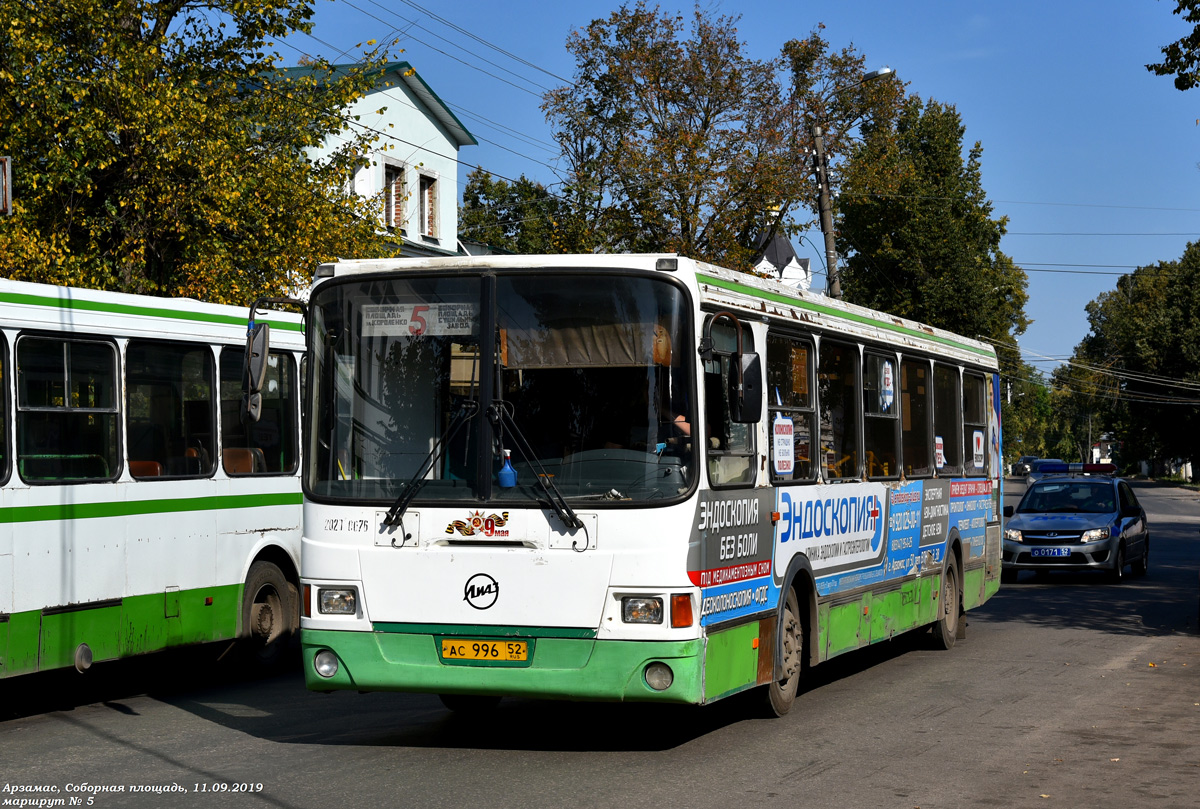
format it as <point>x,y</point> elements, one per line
<point>1162,602</point>
<point>277,708</point>
<point>169,672</point>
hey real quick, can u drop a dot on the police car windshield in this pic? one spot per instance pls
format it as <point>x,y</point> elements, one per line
<point>1069,496</point>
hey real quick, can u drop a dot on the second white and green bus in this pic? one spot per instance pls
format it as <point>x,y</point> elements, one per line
<point>138,510</point>
<point>630,477</point>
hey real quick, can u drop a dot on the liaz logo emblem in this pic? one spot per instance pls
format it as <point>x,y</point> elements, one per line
<point>489,526</point>
<point>481,591</point>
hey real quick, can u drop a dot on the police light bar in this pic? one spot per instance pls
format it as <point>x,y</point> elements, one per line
<point>1076,468</point>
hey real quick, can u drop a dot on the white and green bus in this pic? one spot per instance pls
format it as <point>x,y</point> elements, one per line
<point>629,477</point>
<point>138,510</point>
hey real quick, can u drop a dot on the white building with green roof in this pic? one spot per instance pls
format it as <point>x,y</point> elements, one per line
<point>415,162</point>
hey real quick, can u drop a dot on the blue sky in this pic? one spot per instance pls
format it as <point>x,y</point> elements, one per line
<point>1092,158</point>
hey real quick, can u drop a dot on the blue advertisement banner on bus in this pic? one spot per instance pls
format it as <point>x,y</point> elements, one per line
<point>853,535</point>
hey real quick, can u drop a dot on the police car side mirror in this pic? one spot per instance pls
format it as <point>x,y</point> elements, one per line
<point>1008,511</point>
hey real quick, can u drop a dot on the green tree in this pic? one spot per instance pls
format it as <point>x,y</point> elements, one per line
<point>1082,400</point>
<point>516,217</point>
<point>1144,343</point>
<point>677,140</point>
<point>1181,58</point>
<point>1026,409</point>
<point>919,232</point>
<point>156,149</point>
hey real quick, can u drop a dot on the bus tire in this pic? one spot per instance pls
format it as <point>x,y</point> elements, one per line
<point>469,703</point>
<point>269,614</point>
<point>781,693</point>
<point>945,628</point>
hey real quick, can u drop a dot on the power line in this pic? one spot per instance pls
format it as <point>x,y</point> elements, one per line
<point>403,101</point>
<point>485,42</point>
<point>450,55</point>
<point>1064,233</point>
<point>1121,377</point>
<point>1018,202</point>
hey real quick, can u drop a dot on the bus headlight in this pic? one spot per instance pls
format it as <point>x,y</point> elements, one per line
<point>641,610</point>
<point>325,663</point>
<point>342,601</point>
<point>659,676</point>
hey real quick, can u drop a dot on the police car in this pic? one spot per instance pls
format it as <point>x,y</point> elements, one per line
<point>1076,517</point>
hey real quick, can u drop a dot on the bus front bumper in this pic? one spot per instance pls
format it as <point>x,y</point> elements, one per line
<point>558,668</point>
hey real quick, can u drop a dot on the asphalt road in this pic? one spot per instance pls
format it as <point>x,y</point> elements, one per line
<point>1066,692</point>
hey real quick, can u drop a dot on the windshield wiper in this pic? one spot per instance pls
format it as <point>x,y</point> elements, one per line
<point>465,413</point>
<point>499,414</point>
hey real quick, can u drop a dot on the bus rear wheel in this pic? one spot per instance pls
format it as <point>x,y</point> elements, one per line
<point>945,628</point>
<point>269,614</point>
<point>781,693</point>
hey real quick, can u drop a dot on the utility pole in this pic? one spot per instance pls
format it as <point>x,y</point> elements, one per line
<point>825,211</point>
<point>821,169</point>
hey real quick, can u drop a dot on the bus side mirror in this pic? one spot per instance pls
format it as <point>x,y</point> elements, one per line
<point>258,347</point>
<point>745,405</point>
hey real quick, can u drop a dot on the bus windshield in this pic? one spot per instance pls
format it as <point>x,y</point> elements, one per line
<point>584,383</point>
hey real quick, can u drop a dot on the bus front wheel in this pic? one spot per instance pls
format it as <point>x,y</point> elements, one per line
<point>781,693</point>
<point>269,614</point>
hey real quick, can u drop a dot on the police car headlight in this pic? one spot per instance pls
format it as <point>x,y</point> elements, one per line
<point>1012,535</point>
<point>1095,535</point>
<point>641,610</point>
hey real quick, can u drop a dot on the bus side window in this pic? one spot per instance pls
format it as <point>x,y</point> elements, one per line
<point>4,416</point>
<point>268,446</point>
<point>66,410</point>
<point>730,447</point>
<point>169,409</point>
<point>975,432</point>
<point>915,396</point>
<point>880,436</point>
<point>790,399</point>
<point>838,394</point>
<point>947,421</point>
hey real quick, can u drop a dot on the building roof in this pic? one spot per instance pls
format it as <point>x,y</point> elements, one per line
<point>408,75</point>
<point>778,251</point>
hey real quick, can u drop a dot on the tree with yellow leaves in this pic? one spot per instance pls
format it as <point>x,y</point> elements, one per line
<point>156,148</point>
<point>674,138</point>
